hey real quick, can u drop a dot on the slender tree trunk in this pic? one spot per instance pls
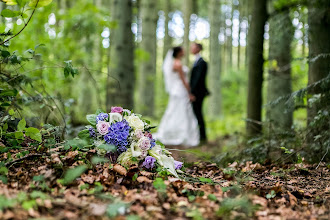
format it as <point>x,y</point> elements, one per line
<point>318,41</point>
<point>239,34</point>
<point>97,58</point>
<point>255,68</point>
<point>279,82</point>
<point>247,11</point>
<point>230,43</point>
<point>120,83</point>
<point>167,38</point>
<point>215,59</point>
<point>148,68</point>
<point>187,11</point>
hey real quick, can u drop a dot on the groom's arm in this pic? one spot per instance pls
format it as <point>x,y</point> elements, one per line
<point>200,73</point>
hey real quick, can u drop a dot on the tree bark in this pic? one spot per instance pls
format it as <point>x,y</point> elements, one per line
<point>318,41</point>
<point>281,33</point>
<point>240,6</point>
<point>148,67</point>
<point>255,67</point>
<point>187,11</point>
<point>215,59</point>
<point>121,78</point>
<point>167,38</point>
<point>230,43</point>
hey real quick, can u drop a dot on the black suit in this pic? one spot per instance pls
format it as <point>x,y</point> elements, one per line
<point>199,90</point>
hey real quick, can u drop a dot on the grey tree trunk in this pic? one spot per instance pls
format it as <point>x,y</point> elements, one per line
<point>147,72</point>
<point>247,14</point>
<point>255,66</point>
<point>187,11</point>
<point>97,54</point>
<point>318,41</point>
<point>215,59</point>
<point>121,78</point>
<point>167,38</point>
<point>281,33</point>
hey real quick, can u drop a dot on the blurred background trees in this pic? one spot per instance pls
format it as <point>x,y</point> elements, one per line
<point>268,63</point>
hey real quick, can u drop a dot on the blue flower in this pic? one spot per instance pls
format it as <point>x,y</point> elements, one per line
<point>101,117</point>
<point>152,142</point>
<point>118,134</point>
<point>92,132</point>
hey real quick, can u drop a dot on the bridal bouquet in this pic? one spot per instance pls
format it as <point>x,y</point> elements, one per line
<point>129,136</point>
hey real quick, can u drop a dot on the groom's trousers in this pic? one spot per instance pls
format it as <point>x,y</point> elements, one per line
<point>197,107</point>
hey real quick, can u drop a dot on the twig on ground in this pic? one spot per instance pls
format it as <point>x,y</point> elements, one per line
<point>323,157</point>
<point>8,164</point>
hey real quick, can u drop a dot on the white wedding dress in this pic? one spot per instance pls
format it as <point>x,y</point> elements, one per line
<point>178,125</point>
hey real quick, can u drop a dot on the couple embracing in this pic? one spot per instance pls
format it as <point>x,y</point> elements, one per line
<point>183,122</point>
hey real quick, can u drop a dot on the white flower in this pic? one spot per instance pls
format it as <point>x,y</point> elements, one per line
<point>138,134</point>
<point>128,112</point>
<point>135,122</point>
<point>115,117</point>
<point>136,151</point>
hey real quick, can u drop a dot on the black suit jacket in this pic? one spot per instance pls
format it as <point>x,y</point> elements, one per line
<point>197,80</point>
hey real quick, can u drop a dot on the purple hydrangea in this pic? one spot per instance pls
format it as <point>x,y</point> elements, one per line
<point>178,165</point>
<point>118,134</point>
<point>149,162</point>
<point>92,132</point>
<point>101,117</point>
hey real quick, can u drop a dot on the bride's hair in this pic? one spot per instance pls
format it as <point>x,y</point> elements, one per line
<point>176,51</point>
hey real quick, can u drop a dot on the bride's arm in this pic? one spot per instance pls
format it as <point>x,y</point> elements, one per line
<point>178,68</point>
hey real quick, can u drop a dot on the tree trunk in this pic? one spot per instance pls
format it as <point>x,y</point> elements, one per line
<point>247,11</point>
<point>279,82</point>
<point>230,43</point>
<point>255,66</point>
<point>239,34</point>
<point>120,82</point>
<point>148,67</point>
<point>97,58</point>
<point>187,11</point>
<point>215,59</point>
<point>318,41</point>
<point>167,38</point>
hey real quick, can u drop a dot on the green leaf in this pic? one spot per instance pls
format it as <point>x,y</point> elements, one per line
<point>205,180</point>
<point>21,125</point>
<point>21,3</point>
<point>159,185</point>
<point>96,160</point>
<point>84,134</point>
<point>11,112</point>
<point>10,2</point>
<point>19,135</point>
<point>4,180</point>
<point>3,170</point>
<point>41,3</point>
<point>107,147</point>
<point>30,204</point>
<point>91,119</point>
<point>212,197</point>
<point>33,133</point>
<point>115,209</point>
<point>9,13</point>
<point>5,53</point>
<point>39,178</point>
<point>72,174</point>
<point>38,194</point>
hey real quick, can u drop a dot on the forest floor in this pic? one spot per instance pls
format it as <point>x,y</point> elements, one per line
<point>35,189</point>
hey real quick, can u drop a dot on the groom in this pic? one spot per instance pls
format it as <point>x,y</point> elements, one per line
<point>198,88</point>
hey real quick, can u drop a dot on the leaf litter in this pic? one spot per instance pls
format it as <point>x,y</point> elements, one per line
<point>65,184</point>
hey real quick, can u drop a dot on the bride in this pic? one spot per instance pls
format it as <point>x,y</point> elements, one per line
<point>178,125</point>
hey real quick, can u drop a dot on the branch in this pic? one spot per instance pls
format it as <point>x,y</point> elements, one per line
<point>22,158</point>
<point>23,27</point>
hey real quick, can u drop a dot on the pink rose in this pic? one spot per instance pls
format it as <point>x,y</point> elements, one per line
<point>148,134</point>
<point>144,143</point>
<point>138,134</point>
<point>103,127</point>
<point>117,109</point>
